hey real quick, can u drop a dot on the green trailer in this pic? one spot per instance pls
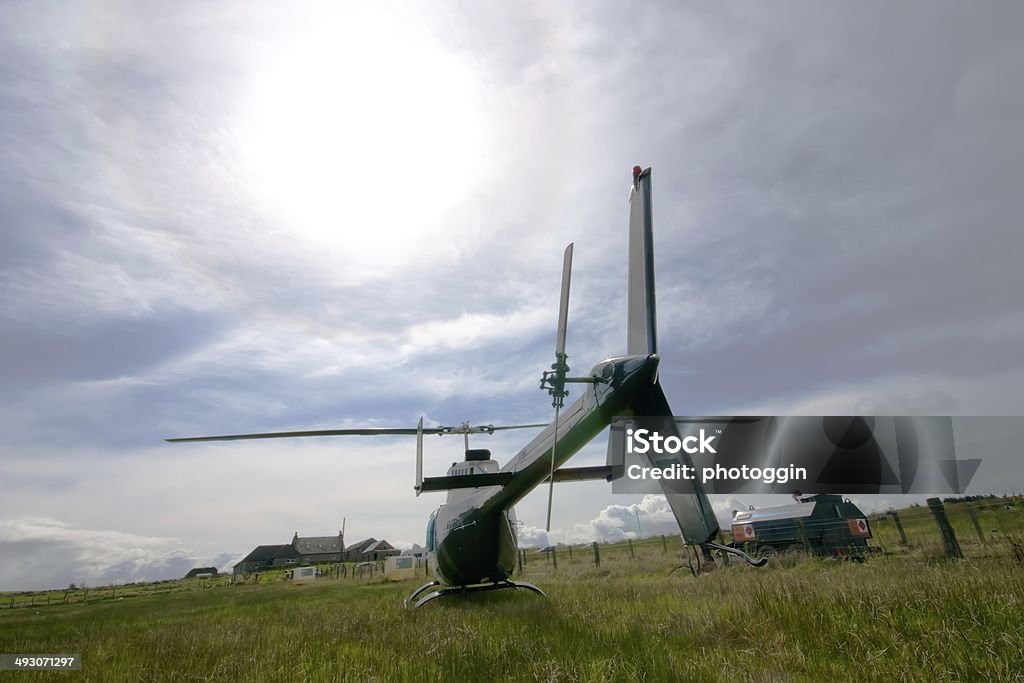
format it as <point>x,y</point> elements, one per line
<point>826,525</point>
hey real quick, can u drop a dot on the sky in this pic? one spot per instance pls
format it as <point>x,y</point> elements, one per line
<point>222,217</point>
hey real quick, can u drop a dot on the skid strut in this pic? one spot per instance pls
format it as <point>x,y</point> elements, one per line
<point>428,584</point>
<point>458,590</point>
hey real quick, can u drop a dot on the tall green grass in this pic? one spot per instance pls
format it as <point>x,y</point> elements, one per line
<point>900,617</point>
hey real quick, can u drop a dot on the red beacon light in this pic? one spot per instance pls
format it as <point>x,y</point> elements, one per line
<point>636,172</point>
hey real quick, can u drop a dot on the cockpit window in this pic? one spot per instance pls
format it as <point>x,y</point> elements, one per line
<point>430,532</point>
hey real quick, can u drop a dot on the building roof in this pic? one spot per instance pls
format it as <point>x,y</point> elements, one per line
<point>266,553</point>
<point>201,570</point>
<point>311,545</point>
<point>361,545</point>
<point>378,545</point>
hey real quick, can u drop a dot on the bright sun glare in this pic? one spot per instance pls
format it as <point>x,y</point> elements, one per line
<point>361,133</point>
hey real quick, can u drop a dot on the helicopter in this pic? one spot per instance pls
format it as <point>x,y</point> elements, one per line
<point>471,539</point>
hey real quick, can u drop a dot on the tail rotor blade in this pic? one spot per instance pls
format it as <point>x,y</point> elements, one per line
<point>563,306</point>
<point>554,381</point>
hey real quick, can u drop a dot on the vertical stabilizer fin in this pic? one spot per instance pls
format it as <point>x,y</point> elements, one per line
<point>642,329</point>
<point>692,510</point>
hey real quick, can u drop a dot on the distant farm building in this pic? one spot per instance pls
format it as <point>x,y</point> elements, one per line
<point>265,557</point>
<point>417,551</point>
<point>369,550</point>
<point>202,573</point>
<point>313,550</point>
<point>319,549</point>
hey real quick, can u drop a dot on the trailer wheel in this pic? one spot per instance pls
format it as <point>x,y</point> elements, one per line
<point>766,550</point>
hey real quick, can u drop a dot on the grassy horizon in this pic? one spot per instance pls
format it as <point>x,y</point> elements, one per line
<point>899,617</point>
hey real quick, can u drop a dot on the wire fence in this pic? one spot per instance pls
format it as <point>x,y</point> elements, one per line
<point>973,529</point>
<point>92,594</point>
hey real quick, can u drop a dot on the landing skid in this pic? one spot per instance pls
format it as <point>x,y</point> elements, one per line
<point>759,562</point>
<point>428,584</point>
<point>453,590</point>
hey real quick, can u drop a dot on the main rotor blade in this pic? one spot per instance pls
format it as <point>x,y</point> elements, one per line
<point>563,305</point>
<point>368,431</point>
<point>364,431</point>
<point>533,426</point>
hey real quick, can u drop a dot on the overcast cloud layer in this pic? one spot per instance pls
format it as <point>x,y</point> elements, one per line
<point>226,217</point>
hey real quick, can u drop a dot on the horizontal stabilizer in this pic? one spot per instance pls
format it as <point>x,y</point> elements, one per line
<point>602,472</point>
<point>465,481</point>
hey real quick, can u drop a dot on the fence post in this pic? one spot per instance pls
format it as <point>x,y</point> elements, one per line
<point>899,527</point>
<point>631,553</point>
<point>948,537</point>
<point>664,545</point>
<point>803,536</point>
<point>570,553</point>
<point>977,526</point>
<point>721,540</point>
<point>554,556</point>
<point>519,558</point>
<point>597,559</point>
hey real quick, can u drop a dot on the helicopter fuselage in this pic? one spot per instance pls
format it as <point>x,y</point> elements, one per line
<point>472,537</point>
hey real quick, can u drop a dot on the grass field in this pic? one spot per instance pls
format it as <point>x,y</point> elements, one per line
<point>898,617</point>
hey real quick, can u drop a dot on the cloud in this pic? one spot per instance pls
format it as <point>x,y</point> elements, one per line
<point>652,516</point>
<point>202,234</point>
<point>47,553</point>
